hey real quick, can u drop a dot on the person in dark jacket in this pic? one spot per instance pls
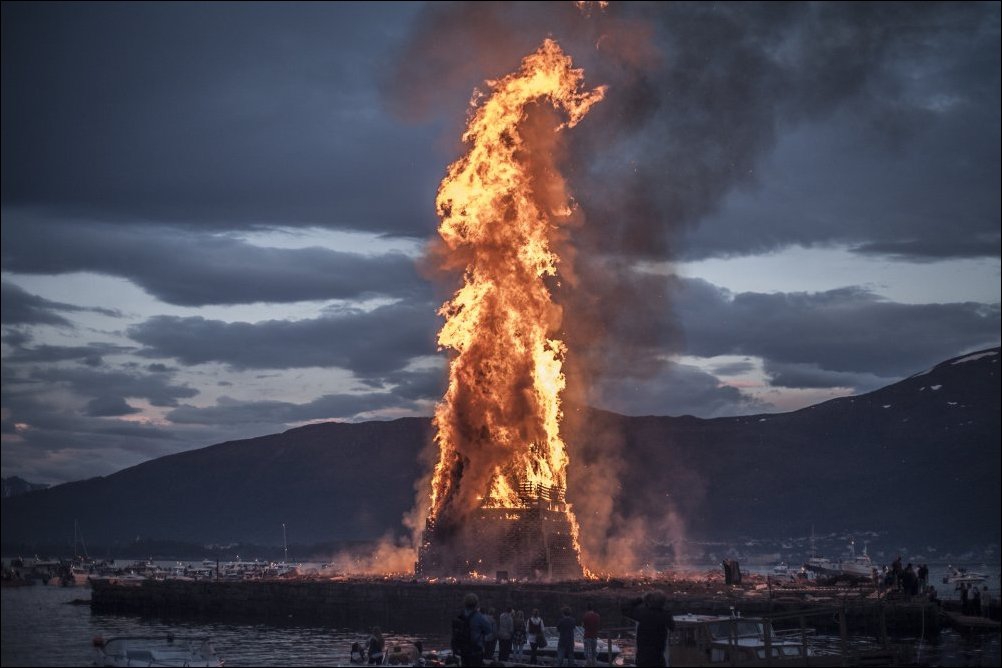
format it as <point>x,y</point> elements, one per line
<point>565,646</point>
<point>480,630</point>
<point>653,625</point>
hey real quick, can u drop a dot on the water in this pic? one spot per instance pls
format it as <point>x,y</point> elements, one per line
<point>41,628</point>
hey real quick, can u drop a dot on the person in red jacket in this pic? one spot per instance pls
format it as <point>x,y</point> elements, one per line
<point>591,622</point>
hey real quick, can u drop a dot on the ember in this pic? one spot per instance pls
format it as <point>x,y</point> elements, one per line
<point>497,496</point>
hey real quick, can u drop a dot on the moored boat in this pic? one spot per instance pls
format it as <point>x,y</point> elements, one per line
<point>958,576</point>
<point>154,651</point>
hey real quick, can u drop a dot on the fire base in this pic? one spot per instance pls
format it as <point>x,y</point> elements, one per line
<point>533,543</point>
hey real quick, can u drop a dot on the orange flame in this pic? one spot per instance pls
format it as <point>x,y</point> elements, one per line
<point>503,207</point>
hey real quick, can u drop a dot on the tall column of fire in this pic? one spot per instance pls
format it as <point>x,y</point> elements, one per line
<point>497,497</point>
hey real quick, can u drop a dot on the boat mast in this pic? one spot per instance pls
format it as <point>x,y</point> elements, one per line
<point>285,543</point>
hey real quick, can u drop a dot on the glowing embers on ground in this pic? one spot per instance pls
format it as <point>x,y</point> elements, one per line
<point>504,212</point>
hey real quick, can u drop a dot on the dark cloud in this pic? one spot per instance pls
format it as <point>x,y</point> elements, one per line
<point>369,343</point>
<point>677,390</point>
<point>849,330</point>
<point>699,94</point>
<point>20,307</point>
<point>91,354</point>
<point>228,411</point>
<point>189,268</point>
<point>109,406</point>
<point>783,374</point>
<point>213,114</point>
<point>88,382</point>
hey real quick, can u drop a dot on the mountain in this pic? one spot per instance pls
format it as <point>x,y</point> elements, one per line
<point>918,460</point>
<point>14,485</point>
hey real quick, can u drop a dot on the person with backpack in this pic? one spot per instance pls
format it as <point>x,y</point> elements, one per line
<point>470,629</point>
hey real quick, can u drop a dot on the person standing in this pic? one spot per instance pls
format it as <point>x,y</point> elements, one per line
<point>470,630</point>
<point>491,642</point>
<point>506,630</point>
<point>375,646</point>
<point>653,626</point>
<point>986,602</point>
<point>518,638</point>
<point>976,602</point>
<point>565,644</point>
<point>965,607</point>
<point>535,634</point>
<point>591,623</point>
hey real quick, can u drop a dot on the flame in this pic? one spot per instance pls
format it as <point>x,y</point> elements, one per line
<point>503,209</point>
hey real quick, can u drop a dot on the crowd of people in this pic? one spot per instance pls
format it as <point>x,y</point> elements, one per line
<point>914,581</point>
<point>477,635</point>
<point>910,580</point>
<point>973,601</point>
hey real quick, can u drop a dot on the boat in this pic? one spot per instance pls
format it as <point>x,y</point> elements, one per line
<point>718,640</point>
<point>857,566</point>
<point>548,654</point>
<point>704,640</point>
<point>154,651</point>
<point>822,566</point>
<point>958,576</point>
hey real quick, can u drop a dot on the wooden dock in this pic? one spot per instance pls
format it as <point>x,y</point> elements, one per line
<point>969,623</point>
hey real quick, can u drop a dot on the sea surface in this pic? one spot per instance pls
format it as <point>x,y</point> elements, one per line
<point>42,627</point>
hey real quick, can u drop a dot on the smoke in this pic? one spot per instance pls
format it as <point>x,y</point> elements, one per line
<point>696,95</point>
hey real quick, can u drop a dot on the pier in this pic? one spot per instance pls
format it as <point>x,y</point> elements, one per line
<point>421,606</point>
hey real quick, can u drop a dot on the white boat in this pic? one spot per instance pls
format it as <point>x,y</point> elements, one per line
<point>857,566</point>
<point>548,654</point>
<point>822,566</point>
<point>958,576</point>
<point>154,651</point>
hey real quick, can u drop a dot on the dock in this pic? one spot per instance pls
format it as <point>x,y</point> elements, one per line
<point>422,606</point>
<point>963,622</point>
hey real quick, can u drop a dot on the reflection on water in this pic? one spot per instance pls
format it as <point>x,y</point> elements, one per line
<point>41,628</point>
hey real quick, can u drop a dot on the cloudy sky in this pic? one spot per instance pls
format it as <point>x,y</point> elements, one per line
<point>214,214</point>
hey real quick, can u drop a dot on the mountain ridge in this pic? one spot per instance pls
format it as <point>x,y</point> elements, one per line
<point>922,455</point>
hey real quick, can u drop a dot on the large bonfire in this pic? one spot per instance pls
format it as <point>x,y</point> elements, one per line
<point>504,212</point>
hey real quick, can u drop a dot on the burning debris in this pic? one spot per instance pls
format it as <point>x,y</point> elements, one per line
<point>497,494</point>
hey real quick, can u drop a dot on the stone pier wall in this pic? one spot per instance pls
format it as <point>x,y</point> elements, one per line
<point>428,607</point>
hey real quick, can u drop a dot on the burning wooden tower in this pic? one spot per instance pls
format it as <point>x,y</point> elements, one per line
<point>497,494</point>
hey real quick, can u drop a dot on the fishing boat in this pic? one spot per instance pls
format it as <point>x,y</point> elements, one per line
<point>958,576</point>
<point>857,565</point>
<point>154,651</point>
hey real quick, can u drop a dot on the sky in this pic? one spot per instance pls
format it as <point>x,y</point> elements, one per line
<point>214,216</point>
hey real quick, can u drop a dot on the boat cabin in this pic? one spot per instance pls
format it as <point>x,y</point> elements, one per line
<point>713,640</point>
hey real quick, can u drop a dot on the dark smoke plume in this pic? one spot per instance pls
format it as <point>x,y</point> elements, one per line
<point>696,95</point>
